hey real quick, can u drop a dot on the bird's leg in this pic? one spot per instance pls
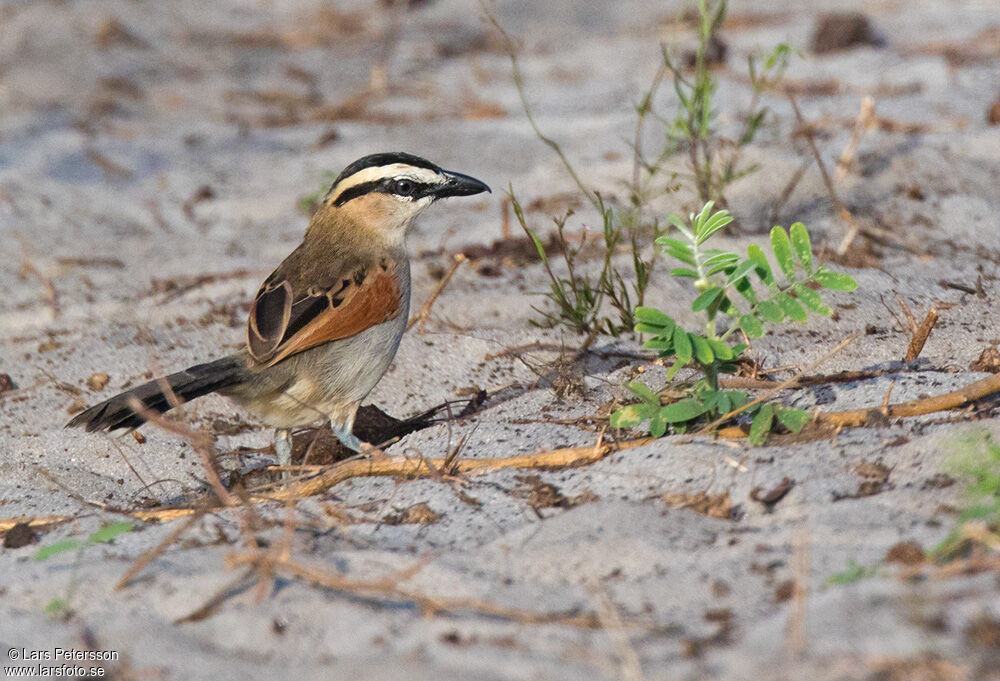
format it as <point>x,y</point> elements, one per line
<point>283,446</point>
<point>346,437</point>
<point>344,432</point>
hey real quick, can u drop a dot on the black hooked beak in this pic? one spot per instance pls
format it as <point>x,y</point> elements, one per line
<point>460,185</point>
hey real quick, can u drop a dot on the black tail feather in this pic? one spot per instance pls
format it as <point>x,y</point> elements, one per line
<point>186,385</point>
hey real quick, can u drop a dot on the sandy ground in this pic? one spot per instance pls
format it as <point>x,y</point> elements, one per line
<point>115,117</point>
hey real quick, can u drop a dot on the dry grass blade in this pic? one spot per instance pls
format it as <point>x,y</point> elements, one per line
<point>148,556</point>
<point>512,52</point>
<point>611,623</point>
<point>853,227</point>
<point>425,309</point>
<point>201,442</point>
<point>389,588</point>
<point>795,632</point>
<point>51,295</point>
<point>911,321</point>
<point>866,118</point>
<point>401,467</point>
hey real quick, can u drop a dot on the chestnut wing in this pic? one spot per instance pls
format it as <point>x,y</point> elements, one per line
<point>284,321</point>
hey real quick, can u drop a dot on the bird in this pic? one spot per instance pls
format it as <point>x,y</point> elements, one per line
<point>324,327</point>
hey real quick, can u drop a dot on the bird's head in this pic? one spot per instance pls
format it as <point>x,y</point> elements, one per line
<point>382,193</point>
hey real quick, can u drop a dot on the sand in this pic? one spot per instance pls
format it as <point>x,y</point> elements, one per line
<point>152,158</point>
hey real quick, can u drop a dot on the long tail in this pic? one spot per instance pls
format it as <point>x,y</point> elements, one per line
<point>186,385</point>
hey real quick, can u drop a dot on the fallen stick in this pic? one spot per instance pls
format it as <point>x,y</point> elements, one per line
<point>929,405</point>
<point>410,468</point>
<point>390,588</point>
<point>855,418</point>
<point>920,335</point>
<point>42,522</point>
<point>556,458</point>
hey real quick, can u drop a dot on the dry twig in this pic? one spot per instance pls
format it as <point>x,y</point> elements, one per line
<point>389,587</point>
<point>51,295</point>
<point>425,309</point>
<point>866,117</point>
<point>921,333</point>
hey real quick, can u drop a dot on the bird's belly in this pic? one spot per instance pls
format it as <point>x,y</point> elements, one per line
<point>327,382</point>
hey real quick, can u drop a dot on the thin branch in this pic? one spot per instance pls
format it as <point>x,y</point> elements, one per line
<point>778,388</point>
<point>921,334</point>
<point>425,309</point>
<point>511,48</point>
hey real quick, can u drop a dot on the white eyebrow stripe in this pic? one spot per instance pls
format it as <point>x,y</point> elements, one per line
<point>376,173</point>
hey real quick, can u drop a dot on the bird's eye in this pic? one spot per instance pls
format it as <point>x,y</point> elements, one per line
<point>403,187</point>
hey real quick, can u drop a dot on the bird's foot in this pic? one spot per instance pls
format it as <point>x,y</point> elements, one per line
<point>350,440</point>
<point>372,452</point>
<point>347,438</point>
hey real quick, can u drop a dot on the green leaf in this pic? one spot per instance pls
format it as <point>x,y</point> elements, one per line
<point>721,350</point>
<point>739,398</point>
<point>724,402</point>
<point>698,221</point>
<point>110,531</point>
<point>678,250</point>
<point>650,315</point>
<point>745,289</point>
<point>714,224</point>
<point>674,368</point>
<point>57,606</point>
<point>742,270</point>
<point>47,552</point>
<point>761,424</point>
<point>853,573</point>
<point>771,311</point>
<point>706,298</point>
<point>756,253</point>
<point>682,410</point>
<point>721,258</point>
<point>811,299</point>
<point>629,416</point>
<point>800,242</point>
<point>791,307</point>
<point>657,424</point>
<point>751,326</point>
<point>837,281</point>
<point>702,350</point>
<point>538,245</point>
<point>783,251</point>
<point>793,419</point>
<point>680,225</point>
<point>683,272</point>
<point>682,345</point>
<point>643,392</point>
<point>664,345</point>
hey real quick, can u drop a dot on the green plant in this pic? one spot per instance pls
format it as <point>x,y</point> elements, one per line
<point>714,160</point>
<point>582,298</point>
<point>579,295</point>
<point>852,574</point>
<point>976,458</point>
<point>59,606</point>
<point>744,293</point>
